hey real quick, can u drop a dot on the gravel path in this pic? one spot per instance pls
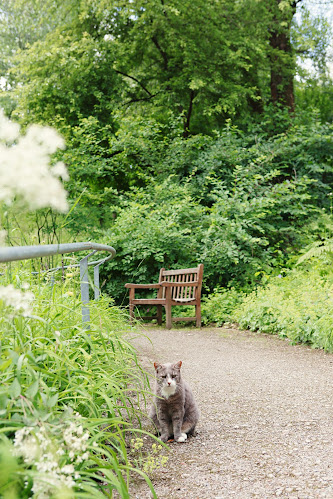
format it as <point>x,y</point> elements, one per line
<point>266,426</point>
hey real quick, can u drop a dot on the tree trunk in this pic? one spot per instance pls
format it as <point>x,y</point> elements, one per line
<point>282,57</point>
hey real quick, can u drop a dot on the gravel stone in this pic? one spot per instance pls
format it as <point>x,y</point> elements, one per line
<point>266,425</point>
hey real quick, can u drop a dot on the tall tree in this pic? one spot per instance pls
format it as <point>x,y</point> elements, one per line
<point>187,57</point>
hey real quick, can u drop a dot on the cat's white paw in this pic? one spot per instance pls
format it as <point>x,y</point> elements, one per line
<point>182,438</point>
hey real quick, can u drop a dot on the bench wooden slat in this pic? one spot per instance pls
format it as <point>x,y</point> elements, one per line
<point>142,286</point>
<point>179,284</point>
<point>148,301</point>
<point>180,271</point>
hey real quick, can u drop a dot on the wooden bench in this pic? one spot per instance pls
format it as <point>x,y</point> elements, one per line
<point>174,287</point>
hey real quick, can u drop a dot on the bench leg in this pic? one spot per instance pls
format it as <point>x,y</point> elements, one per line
<point>159,314</point>
<point>168,319</point>
<point>198,314</point>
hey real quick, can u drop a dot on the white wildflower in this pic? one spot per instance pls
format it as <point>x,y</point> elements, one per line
<point>47,464</point>
<point>79,459</point>
<point>15,298</point>
<point>68,469</point>
<point>52,475</point>
<point>26,445</point>
<point>25,166</point>
<point>20,436</point>
<point>60,170</point>
<point>79,430</point>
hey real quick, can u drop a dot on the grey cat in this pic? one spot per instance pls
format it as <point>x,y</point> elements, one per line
<point>174,411</point>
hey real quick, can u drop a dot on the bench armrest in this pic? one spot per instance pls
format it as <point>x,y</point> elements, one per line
<point>180,284</point>
<point>142,286</point>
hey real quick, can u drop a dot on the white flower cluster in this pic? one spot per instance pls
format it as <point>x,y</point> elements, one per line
<point>25,166</point>
<point>76,441</point>
<point>15,298</point>
<point>49,456</point>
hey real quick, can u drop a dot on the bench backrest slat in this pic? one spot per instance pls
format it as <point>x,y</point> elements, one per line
<point>183,275</point>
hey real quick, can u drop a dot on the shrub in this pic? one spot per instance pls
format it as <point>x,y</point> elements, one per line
<point>219,306</point>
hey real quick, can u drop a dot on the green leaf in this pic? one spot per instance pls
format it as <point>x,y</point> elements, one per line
<point>51,402</point>
<point>33,389</point>
<point>5,364</point>
<point>15,389</point>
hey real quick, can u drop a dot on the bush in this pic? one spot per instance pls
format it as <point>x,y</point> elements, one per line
<point>219,306</point>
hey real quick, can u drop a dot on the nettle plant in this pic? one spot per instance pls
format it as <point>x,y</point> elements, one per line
<point>68,396</point>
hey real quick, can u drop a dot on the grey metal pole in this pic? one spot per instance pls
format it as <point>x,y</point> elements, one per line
<point>84,291</point>
<point>10,254</point>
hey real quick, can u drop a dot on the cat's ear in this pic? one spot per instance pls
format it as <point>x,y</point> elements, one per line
<point>178,365</point>
<point>156,365</point>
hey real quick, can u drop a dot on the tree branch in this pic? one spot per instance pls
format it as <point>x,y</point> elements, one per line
<point>136,80</point>
<point>140,100</point>
<point>161,51</point>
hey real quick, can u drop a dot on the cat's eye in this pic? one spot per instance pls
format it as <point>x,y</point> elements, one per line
<point>173,375</point>
<point>164,376</point>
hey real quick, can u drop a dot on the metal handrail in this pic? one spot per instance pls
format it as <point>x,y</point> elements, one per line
<point>15,253</point>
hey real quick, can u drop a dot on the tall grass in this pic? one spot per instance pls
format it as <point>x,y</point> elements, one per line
<point>69,396</point>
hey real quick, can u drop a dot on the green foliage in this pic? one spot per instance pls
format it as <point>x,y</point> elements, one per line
<point>192,65</point>
<point>69,395</point>
<point>297,306</point>
<point>219,306</point>
<point>252,225</point>
<point>74,77</point>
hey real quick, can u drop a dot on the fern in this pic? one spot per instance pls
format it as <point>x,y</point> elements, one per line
<point>318,250</point>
